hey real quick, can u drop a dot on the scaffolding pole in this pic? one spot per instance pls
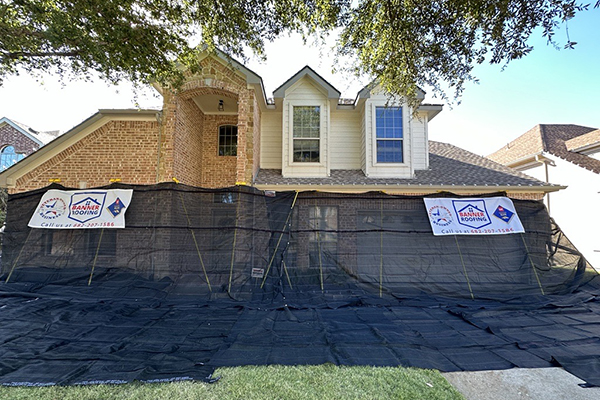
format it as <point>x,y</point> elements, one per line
<point>19,256</point>
<point>532,265</point>
<point>195,241</point>
<point>464,267</point>
<point>279,241</point>
<point>96,257</point>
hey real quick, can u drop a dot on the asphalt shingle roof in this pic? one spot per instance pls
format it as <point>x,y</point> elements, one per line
<point>551,139</point>
<point>448,166</point>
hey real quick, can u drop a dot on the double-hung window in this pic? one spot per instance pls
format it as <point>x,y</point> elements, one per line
<point>306,133</point>
<point>389,134</point>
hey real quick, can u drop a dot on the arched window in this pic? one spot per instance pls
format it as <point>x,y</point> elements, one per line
<point>228,140</point>
<point>8,157</point>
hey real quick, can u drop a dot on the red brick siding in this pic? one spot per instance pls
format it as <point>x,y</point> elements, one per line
<point>217,171</point>
<point>9,136</point>
<point>119,149</point>
<point>180,128</point>
<point>188,146</point>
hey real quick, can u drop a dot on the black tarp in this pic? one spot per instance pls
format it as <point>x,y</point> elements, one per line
<point>207,278</point>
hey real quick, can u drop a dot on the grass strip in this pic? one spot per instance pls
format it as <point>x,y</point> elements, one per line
<point>320,382</point>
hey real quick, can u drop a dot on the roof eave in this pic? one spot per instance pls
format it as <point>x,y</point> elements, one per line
<point>416,188</point>
<point>9,176</point>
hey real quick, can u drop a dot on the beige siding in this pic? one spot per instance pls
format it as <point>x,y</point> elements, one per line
<point>372,168</point>
<point>363,139</point>
<point>304,92</point>
<point>418,130</point>
<point>346,140</point>
<point>271,140</point>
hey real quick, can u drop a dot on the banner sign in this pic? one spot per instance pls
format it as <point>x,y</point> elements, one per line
<point>485,216</point>
<point>82,209</point>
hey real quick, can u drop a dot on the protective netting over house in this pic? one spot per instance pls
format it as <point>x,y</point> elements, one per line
<point>240,243</point>
<point>200,279</point>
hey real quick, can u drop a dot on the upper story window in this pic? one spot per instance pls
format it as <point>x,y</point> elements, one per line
<point>8,157</point>
<point>228,135</point>
<point>307,134</point>
<point>389,134</point>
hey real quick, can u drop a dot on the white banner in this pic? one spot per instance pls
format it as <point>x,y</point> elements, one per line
<point>82,209</point>
<point>484,216</point>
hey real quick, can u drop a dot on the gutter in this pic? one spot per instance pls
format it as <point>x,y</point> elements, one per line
<point>417,188</point>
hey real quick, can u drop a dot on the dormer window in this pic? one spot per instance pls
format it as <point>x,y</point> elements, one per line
<point>389,134</point>
<point>307,133</point>
<point>228,135</point>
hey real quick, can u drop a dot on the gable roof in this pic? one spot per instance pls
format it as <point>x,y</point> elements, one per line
<point>9,176</point>
<point>450,168</point>
<point>332,92</point>
<point>550,139</point>
<point>41,138</point>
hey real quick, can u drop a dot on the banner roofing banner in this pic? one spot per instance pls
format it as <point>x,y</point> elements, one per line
<point>473,216</point>
<point>82,209</point>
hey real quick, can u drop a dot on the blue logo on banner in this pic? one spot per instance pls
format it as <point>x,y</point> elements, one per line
<point>473,214</point>
<point>116,207</point>
<point>504,214</point>
<point>86,206</point>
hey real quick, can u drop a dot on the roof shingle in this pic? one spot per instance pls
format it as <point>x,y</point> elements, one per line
<point>550,139</point>
<point>448,166</point>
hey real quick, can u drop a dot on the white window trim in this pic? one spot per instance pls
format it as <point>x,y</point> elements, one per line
<point>374,161</point>
<point>322,132</point>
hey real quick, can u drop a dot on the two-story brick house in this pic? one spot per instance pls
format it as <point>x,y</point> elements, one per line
<point>220,129</point>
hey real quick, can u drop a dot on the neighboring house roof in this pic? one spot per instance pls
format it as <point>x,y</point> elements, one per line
<point>562,141</point>
<point>584,143</point>
<point>39,137</point>
<point>450,168</point>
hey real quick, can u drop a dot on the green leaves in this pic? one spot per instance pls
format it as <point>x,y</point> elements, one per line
<point>402,44</point>
<point>436,43</point>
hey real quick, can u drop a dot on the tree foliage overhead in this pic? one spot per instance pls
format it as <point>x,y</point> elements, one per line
<point>410,43</point>
<point>401,43</point>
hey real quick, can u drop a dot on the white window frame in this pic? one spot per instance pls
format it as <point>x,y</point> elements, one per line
<point>322,132</point>
<point>375,161</point>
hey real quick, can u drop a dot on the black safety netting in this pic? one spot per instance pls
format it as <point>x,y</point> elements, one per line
<point>205,278</point>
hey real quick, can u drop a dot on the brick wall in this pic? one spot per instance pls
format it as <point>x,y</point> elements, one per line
<point>183,124</point>
<point>9,136</point>
<point>217,171</point>
<point>119,149</point>
<point>187,143</point>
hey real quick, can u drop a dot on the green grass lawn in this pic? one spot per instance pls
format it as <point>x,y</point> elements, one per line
<point>322,382</point>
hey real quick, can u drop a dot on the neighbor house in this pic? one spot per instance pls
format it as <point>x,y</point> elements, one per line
<point>17,141</point>
<point>569,155</point>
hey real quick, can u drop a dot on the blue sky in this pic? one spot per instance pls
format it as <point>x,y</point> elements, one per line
<point>547,86</point>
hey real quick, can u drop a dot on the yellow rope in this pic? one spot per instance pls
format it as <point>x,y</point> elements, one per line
<point>237,214</point>
<point>96,257</point>
<point>195,241</point>
<point>286,274</point>
<point>464,267</point>
<point>532,265</point>
<point>320,259</point>
<point>381,248</point>
<point>279,241</point>
<point>19,256</point>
